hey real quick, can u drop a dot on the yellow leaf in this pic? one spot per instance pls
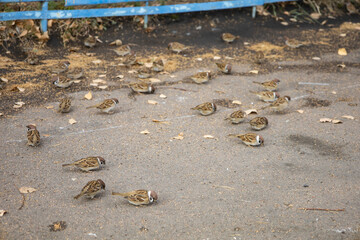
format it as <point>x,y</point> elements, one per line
<point>4,79</point>
<point>88,96</point>
<point>77,81</point>
<point>284,23</point>
<point>2,212</point>
<point>324,120</point>
<point>49,107</point>
<point>99,81</point>
<point>145,132</point>
<point>103,87</point>
<point>72,121</point>
<point>120,76</point>
<point>162,96</point>
<point>1,114</point>
<point>316,58</point>
<point>342,52</point>
<point>152,102</point>
<point>217,57</point>
<point>348,117</point>
<point>209,137</point>
<point>300,111</point>
<point>96,61</point>
<point>315,16</point>
<point>18,104</point>
<point>254,71</point>
<point>250,111</point>
<point>236,102</point>
<point>180,136</point>
<point>336,121</point>
<point>154,80</point>
<point>27,189</point>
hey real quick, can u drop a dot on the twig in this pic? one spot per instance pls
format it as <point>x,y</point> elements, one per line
<point>323,209</point>
<point>23,198</point>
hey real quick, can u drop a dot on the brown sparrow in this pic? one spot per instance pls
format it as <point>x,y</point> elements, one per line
<point>270,85</point>
<point>76,73</point>
<point>144,72</point>
<point>90,41</point>
<point>123,50</point>
<point>259,57</point>
<point>250,139</point>
<point>280,104</point>
<point>177,47</point>
<point>129,59</point>
<point>201,77</point>
<point>224,67</point>
<point>65,105</point>
<point>33,136</point>
<point>259,123</point>
<point>62,81</point>
<point>267,96</point>
<point>106,106</point>
<point>32,59</point>
<point>158,65</point>
<point>351,8</point>
<point>292,43</point>
<point>142,87</point>
<point>205,108</point>
<point>60,67</point>
<point>228,37</point>
<point>237,117</point>
<point>139,197</point>
<point>88,164</point>
<point>91,189</point>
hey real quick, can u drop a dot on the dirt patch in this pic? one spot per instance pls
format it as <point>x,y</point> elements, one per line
<point>315,102</point>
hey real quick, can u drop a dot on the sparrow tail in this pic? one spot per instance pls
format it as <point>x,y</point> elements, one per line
<point>77,196</point>
<point>119,194</point>
<point>232,135</point>
<point>257,82</point>
<point>92,107</point>
<point>253,92</point>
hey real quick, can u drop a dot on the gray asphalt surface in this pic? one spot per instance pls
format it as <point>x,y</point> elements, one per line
<point>208,188</point>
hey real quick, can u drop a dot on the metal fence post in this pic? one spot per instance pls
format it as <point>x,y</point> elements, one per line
<point>44,21</point>
<point>253,12</point>
<point>146,16</point>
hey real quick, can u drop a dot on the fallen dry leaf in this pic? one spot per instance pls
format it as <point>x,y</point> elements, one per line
<point>57,226</point>
<point>180,136</point>
<point>152,102</point>
<point>342,52</point>
<point>342,35</point>
<point>96,61</point>
<point>117,42</point>
<point>94,84</point>
<point>2,212</point>
<point>284,23</point>
<point>4,79</point>
<point>49,107</point>
<point>300,111</point>
<point>348,117</point>
<point>18,104</point>
<point>217,57</point>
<point>199,59</point>
<point>72,121</point>
<point>250,111</point>
<point>209,137</point>
<point>341,65</point>
<point>102,75</point>
<point>46,135</point>
<point>1,114</point>
<point>163,96</point>
<point>315,16</point>
<point>316,58</point>
<point>27,189</point>
<point>160,121</point>
<point>236,102</point>
<point>324,120</point>
<point>254,71</point>
<point>77,81</point>
<point>99,81</point>
<point>23,33</point>
<point>148,64</point>
<point>333,92</point>
<point>336,121</point>
<point>88,96</point>
<point>120,76</point>
<point>102,87</point>
<point>145,132</point>
<point>132,71</point>
<point>154,80</point>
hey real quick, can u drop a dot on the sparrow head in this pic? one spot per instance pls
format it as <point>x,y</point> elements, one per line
<point>115,100</point>
<point>151,89</point>
<point>31,127</point>
<point>287,98</point>
<point>152,196</point>
<point>228,67</point>
<point>213,106</point>
<point>56,80</point>
<point>101,183</point>
<point>66,63</point>
<point>102,160</point>
<point>276,80</point>
<point>266,120</point>
<point>277,95</point>
<point>260,140</point>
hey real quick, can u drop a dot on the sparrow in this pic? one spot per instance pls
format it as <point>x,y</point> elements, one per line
<point>91,189</point>
<point>259,57</point>
<point>270,85</point>
<point>106,106</point>
<point>280,104</point>
<point>90,41</point>
<point>259,123</point>
<point>139,197</point>
<point>32,59</point>
<point>65,105</point>
<point>129,59</point>
<point>267,96</point>
<point>250,139</point>
<point>177,47</point>
<point>237,117</point>
<point>224,67</point>
<point>158,65</point>
<point>142,87</point>
<point>205,108</point>
<point>201,77</point>
<point>122,50</point>
<point>60,67</point>
<point>351,8</point>
<point>292,43</point>
<point>62,81</point>
<point>88,164</point>
<point>76,73</point>
<point>33,136</point>
<point>144,72</point>
<point>228,37</point>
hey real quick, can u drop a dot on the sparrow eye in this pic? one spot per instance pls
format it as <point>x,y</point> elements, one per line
<point>151,199</point>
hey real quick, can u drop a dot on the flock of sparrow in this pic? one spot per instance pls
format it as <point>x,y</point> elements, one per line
<point>64,79</point>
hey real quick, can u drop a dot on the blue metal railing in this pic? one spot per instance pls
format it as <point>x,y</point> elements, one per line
<point>44,14</point>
